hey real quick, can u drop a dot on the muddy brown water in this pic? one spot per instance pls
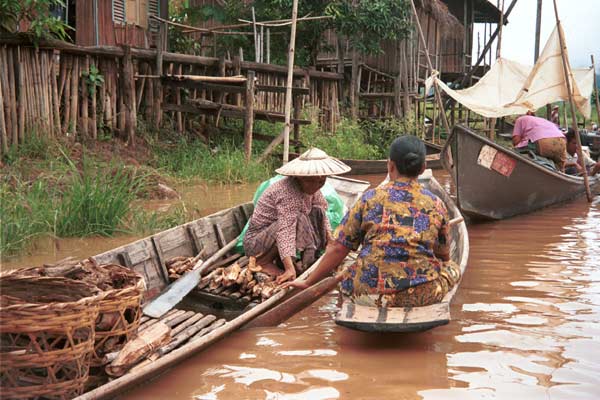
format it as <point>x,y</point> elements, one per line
<point>526,325</point>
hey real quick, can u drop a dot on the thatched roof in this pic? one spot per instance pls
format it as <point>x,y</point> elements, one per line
<point>449,24</point>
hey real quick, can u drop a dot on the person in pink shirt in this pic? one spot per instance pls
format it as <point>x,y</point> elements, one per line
<point>548,139</point>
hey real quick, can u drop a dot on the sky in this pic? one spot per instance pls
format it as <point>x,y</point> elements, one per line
<point>580,20</point>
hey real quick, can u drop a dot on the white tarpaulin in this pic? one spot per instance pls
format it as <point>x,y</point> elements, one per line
<point>512,88</point>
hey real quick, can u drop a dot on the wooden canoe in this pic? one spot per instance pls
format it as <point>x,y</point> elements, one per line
<point>148,256</point>
<point>493,182</point>
<point>413,319</point>
<point>378,167</point>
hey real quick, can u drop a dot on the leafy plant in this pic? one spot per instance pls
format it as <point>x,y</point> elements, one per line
<point>39,15</point>
<point>367,22</point>
<point>93,78</point>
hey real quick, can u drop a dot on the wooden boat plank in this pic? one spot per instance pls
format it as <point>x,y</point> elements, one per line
<point>412,319</point>
<point>175,242</point>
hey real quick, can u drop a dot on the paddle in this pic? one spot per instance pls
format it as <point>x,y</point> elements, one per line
<point>182,286</point>
<point>295,304</point>
<point>305,298</point>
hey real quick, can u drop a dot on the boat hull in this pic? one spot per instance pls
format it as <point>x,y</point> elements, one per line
<point>493,182</point>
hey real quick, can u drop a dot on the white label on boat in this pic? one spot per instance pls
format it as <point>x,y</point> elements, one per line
<point>486,156</point>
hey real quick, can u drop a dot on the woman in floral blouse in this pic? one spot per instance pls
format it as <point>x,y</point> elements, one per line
<point>402,232</point>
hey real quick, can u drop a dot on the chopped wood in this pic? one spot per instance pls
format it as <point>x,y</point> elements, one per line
<point>252,265</point>
<point>175,260</point>
<point>180,318</point>
<point>146,343</point>
<point>211,328</point>
<point>187,323</point>
<point>187,333</point>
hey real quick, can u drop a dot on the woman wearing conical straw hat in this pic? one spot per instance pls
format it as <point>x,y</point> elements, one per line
<point>290,216</point>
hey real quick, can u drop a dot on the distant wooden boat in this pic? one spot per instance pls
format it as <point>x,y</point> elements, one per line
<point>413,319</point>
<point>493,182</point>
<point>224,312</point>
<point>378,167</point>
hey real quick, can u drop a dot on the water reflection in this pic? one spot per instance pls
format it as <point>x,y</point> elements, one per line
<point>526,324</point>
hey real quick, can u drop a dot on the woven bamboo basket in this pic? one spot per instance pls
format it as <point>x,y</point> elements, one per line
<point>46,336</point>
<point>120,307</point>
<point>120,312</point>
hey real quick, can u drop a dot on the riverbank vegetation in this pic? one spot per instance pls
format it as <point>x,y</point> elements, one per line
<point>68,189</point>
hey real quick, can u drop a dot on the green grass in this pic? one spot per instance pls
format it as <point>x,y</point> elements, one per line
<point>223,163</point>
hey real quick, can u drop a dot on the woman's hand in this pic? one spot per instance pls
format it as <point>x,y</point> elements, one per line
<point>298,284</point>
<point>286,276</point>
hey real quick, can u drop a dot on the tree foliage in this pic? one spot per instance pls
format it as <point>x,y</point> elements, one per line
<point>364,22</point>
<point>39,15</point>
<point>367,22</point>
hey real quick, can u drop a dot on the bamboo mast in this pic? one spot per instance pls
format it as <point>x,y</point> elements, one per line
<point>596,89</point>
<point>538,26</point>
<point>290,79</point>
<point>435,86</point>
<point>568,77</point>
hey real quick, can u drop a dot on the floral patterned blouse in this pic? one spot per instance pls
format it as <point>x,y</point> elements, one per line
<point>397,226</point>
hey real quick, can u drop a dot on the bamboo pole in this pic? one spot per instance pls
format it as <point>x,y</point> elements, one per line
<point>290,78</point>
<point>12,80</point>
<point>85,100</point>
<point>538,27</point>
<point>129,97</point>
<point>435,87</point>
<point>3,136</point>
<point>596,88</point>
<point>249,116</point>
<point>256,59</point>
<point>20,132</point>
<point>568,77</point>
<point>499,45</point>
<point>74,96</point>
<point>55,99</point>
<point>93,120</point>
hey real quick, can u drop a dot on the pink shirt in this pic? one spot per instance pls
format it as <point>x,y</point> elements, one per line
<point>532,129</point>
<point>281,203</point>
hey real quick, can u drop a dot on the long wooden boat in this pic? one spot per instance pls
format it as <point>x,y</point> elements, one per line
<point>413,319</point>
<point>378,167</point>
<point>493,182</point>
<point>222,313</point>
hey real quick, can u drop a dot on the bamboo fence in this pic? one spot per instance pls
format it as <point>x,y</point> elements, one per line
<point>49,90</point>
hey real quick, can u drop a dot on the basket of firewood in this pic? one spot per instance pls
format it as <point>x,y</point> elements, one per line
<point>46,336</point>
<point>120,307</point>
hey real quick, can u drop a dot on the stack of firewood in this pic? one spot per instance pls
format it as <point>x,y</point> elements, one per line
<point>236,277</point>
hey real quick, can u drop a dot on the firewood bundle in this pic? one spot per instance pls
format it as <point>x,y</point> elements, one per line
<point>178,266</point>
<point>236,277</point>
<point>242,277</point>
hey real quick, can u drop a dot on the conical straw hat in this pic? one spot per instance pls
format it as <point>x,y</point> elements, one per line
<point>313,162</point>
